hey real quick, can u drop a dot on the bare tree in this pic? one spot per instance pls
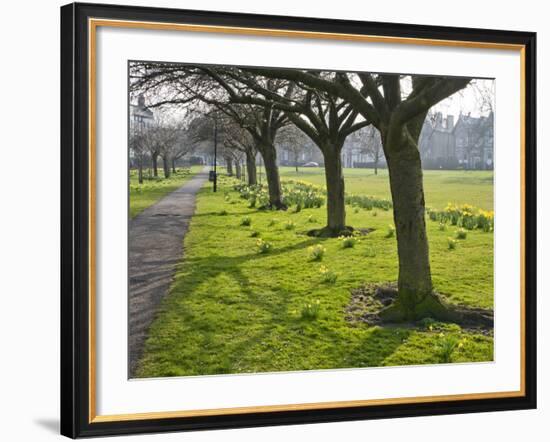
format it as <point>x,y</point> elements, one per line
<point>182,148</point>
<point>398,116</point>
<point>242,147</point>
<point>176,84</point>
<point>139,151</point>
<point>372,145</point>
<point>167,136</point>
<point>294,141</point>
<point>323,116</point>
<point>395,104</point>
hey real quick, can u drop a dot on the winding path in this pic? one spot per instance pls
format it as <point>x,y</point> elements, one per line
<point>155,247</point>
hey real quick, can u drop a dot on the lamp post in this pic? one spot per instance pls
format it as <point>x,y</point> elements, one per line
<point>215,152</point>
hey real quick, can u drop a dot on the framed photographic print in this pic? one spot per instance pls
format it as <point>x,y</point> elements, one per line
<point>279,220</point>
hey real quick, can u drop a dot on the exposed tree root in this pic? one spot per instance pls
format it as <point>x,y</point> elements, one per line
<point>381,305</point>
<point>327,232</point>
<point>274,206</point>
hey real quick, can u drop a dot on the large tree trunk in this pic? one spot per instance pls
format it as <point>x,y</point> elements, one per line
<point>154,158</point>
<point>269,155</point>
<point>251,168</point>
<point>415,299</point>
<point>336,204</point>
<point>238,170</point>
<point>173,165</point>
<point>166,166</point>
<point>415,296</point>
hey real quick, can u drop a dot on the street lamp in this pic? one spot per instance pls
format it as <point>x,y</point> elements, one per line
<point>215,152</point>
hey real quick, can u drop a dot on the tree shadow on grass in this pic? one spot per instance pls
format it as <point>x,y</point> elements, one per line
<point>223,333</point>
<point>212,354</point>
<point>228,214</point>
<point>376,347</point>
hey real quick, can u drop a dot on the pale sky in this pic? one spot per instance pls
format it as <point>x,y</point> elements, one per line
<point>478,99</point>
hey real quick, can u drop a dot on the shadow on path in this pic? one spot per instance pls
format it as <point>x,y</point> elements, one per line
<point>155,246</point>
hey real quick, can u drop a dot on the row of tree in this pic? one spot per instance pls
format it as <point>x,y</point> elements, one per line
<point>254,105</point>
<point>158,139</point>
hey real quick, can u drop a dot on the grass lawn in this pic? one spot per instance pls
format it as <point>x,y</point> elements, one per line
<point>473,187</point>
<point>232,309</point>
<point>152,190</point>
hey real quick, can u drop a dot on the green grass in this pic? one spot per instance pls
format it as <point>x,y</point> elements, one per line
<point>473,187</point>
<point>232,309</point>
<point>153,189</point>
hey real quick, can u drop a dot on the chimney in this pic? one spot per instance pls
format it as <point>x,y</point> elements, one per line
<point>141,100</point>
<point>450,122</point>
<point>438,120</point>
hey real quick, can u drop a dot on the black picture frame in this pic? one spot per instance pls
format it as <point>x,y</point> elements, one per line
<point>75,220</point>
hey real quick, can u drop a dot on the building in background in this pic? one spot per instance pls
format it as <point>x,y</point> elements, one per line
<point>475,142</point>
<point>444,144</point>
<point>437,142</point>
<point>468,144</point>
<point>300,151</point>
<point>141,117</point>
<point>363,149</point>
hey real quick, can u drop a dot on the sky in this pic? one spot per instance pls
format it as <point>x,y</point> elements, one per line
<point>477,99</point>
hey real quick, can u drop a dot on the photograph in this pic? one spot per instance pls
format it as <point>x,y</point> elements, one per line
<point>274,221</point>
<point>284,219</point>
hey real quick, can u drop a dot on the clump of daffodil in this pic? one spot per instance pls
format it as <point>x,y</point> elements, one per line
<point>327,275</point>
<point>263,246</point>
<point>451,243</point>
<point>348,242</point>
<point>316,252</point>
<point>311,310</point>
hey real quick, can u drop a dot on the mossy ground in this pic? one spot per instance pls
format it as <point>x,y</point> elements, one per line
<point>232,309</point>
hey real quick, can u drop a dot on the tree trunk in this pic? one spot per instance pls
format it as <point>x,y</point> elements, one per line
<point>229,163</point>
<point>336,204</point>
<point>238,170</point>
<point>251,169</point>
<point>154,158</point>
<point>415,292</point>
<point>173,165</point>
<point>376,166</point>
<point>269,155</point>
<point>166,166</point>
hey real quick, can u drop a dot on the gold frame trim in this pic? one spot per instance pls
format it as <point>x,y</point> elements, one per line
<point>93,24</point>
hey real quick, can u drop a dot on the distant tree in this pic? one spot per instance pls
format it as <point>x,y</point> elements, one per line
<point>322,115</point>
<point>138,147</point>
<point>184,85</point>
<point>294,141</point>
<point>243,148</point>
<point>372,145</point>
<point>168,135</point>
<point>239,144</point>
<point>183,147</point>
